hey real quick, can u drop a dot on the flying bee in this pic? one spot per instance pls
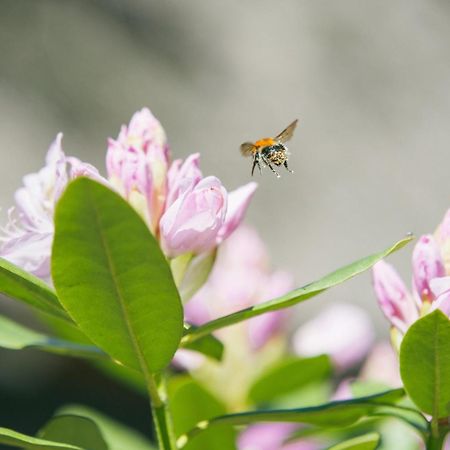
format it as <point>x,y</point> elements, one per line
<point>270,150</point>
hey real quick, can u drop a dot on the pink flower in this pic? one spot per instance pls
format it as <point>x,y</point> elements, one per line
<point>183,176</point>
<point>271,436</point>
<point>430,286</point>
<point>440,287</point>
<point>442,236</point>
<point>343,331</point>
<point>27,238</point>
<point>427,264</point>
<point>241,277</point>
<point>192,222</point>
<point>137,164</point>
<point>188,214</point>
<point>394,299</point>
<point>199,213</point>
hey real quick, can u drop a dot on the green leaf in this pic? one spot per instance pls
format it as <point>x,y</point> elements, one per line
<point>298,295</point>
<point>116,435</point>
<point>368,441</point>
<point>425,363</point>
<point>17,337</point>
<point>209,345</point>
<point>74,430</point>
<point>11,437</point>
<point>334,414</point>
<point>20,285</point>
<point>287,376</point>
<point>190,403</point>
<point>113,279</point>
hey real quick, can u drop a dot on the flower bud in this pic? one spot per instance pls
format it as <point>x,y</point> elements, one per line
<point>394,299</point>
<point>427,264</point>
<point>137,164</point>
<point>192,222</point>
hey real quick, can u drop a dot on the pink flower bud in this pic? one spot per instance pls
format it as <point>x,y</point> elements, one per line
<point>183,176</point>
<point>427,264</point>
<point>192,222</point>
<point>395,301</point>
<point>137,164</point>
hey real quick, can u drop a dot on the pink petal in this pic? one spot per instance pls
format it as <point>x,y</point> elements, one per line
<point>238,201</point>
<point>427,264</point>
<point>393,297</point>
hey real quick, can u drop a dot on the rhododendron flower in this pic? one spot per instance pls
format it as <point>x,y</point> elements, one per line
<point>440,287</point>
<point>427,263</point>
<point>430,289</point>
<point>27,238</point>
<point>347,339</point>
<point>241,277</point>
<point>137,163</point>
<point>190,215</point>
<point>394,298</point>
<point>193,220</point>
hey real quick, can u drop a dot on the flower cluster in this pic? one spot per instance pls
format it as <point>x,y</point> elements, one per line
<point>188,213</point>
<point>430,282</point>
<point>242,277</point>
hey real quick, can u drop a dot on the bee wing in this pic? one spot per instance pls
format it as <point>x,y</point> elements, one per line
<point>287,133</point>
<point>247,149</point>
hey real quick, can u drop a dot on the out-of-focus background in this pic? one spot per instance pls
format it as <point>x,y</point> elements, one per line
<point>369,82</point>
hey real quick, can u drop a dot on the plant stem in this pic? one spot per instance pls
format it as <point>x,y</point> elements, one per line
<point>436,436</point>
<point>160,413</point>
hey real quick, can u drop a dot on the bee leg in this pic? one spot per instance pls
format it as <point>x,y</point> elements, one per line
<point>256,163</point>
<point>287,168</point>
<point>270,166</point>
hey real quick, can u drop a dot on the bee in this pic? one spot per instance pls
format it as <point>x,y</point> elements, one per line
<point>270,150</point>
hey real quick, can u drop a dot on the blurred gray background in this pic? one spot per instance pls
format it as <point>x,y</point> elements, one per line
<point>369,81</point>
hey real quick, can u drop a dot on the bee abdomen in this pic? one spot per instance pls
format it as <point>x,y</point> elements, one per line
<point>276,154</point>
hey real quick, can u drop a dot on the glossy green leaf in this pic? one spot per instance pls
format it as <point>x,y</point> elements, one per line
<point>334,414</point>
<point>17,337</point>
<point>15,439</point>
<point>75,430</point>
<point>116,435</point>
<point>297,295</point>
<point>20,285</point>
<point>425,363</point>
<point>368,441</point>
<point>209,345</point>
<point>113,279</point>
<point>191,403</point>
<point>287,376</point>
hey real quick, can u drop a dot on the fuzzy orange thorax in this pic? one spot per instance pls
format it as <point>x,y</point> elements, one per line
<point>264,143</point>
